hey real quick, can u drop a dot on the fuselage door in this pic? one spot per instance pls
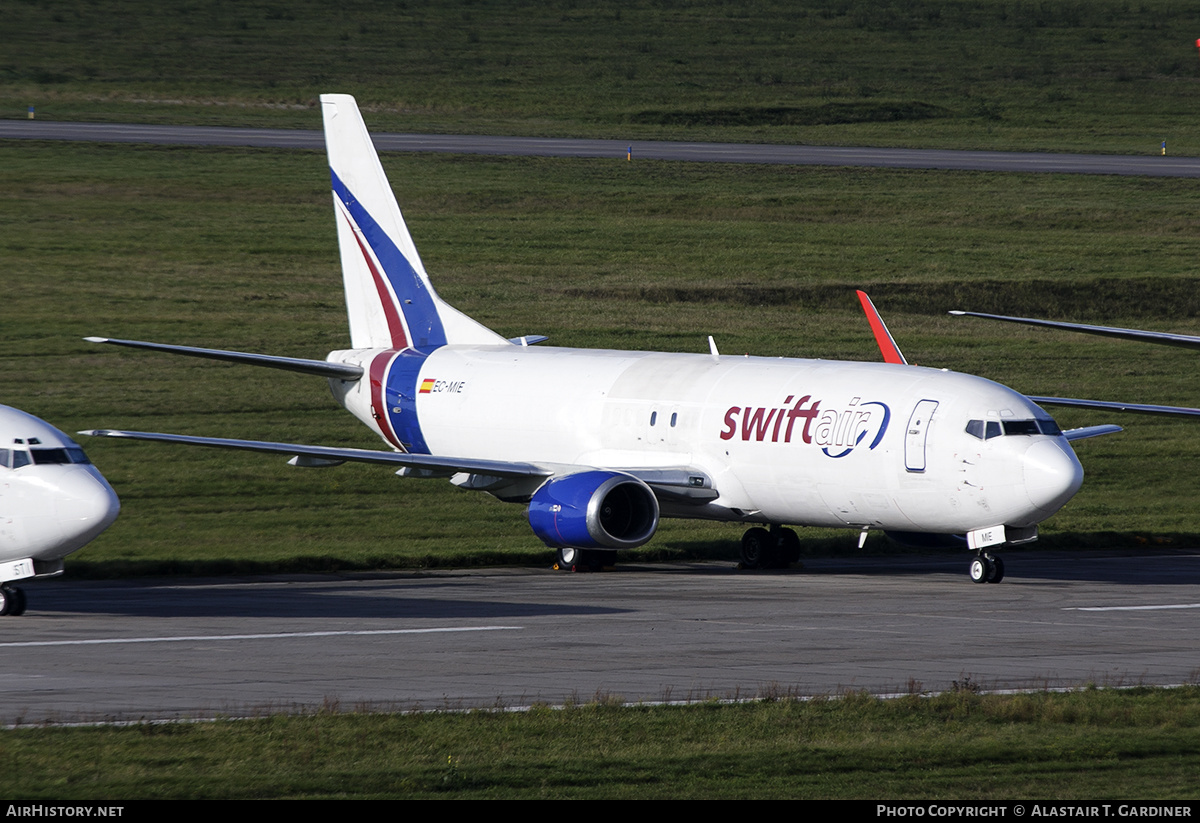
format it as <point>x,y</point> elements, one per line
<point>915,434</point>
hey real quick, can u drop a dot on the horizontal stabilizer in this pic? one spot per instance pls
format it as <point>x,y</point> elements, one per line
<point>496,468</point>
<point>319,368</point>
<point>1134,408</point>
<point>1163,338</point>
<point>1090,431</point>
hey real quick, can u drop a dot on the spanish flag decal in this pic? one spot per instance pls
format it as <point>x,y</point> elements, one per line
<point>426,385</point>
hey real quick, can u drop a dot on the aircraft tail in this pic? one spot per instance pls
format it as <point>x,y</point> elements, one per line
<point>389,298</point>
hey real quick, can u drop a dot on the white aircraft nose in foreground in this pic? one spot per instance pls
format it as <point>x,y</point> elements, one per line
<point>52,502</point>
<point>601,444</point>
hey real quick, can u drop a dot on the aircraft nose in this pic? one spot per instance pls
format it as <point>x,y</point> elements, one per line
<point>1052,474</point>
<point>87,505</point>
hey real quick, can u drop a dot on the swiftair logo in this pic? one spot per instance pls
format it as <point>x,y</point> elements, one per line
<point>836,429</point>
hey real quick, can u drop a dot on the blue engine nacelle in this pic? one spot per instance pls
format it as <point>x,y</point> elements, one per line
<point>594,510</point>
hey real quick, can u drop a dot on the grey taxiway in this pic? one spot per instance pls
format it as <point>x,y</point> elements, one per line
<point>97,651</point>
<point>1147,165</point>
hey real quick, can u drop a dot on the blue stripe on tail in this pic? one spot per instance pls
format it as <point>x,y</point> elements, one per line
<point>417,301</point>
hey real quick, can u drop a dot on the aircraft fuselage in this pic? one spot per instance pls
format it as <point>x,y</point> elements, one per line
<point>802,442</point>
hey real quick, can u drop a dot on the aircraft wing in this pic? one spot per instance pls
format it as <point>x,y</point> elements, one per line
<point>892,354</point>
<point>684,485</point>
<point>320,368</point>
<point>1135,408</point>
<point>333,455</point>
<point>1162,338</point>
<point>1090,431</point>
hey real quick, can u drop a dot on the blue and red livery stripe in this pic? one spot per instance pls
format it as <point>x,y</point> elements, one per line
<point>412,297</point>
<point>394,377</point>
<point>394,319</point>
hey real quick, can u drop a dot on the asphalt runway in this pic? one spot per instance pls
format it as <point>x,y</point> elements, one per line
<point>96,651</point>
<point>1149,165</point>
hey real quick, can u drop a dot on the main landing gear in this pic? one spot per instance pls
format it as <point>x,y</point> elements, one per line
<point>585,560</point>
<point>986,568</point>
<point>774,549</point>
<point>12,600</point>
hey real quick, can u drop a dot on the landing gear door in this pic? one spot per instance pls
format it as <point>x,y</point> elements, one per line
<point>915,434</point>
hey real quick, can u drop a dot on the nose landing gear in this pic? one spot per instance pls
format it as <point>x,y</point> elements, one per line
<point>12,600</point>
<point>986,568</point>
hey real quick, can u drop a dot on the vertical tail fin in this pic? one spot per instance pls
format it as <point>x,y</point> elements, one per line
<point>389,298</point>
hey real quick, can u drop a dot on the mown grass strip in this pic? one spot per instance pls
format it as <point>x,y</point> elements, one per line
<point>1091,745</point>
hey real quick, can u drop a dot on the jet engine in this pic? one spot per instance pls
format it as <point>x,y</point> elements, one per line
<point>594,510</point>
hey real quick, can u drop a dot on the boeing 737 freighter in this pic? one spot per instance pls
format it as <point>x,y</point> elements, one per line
<point>599,445</point>
<point>52,502</point>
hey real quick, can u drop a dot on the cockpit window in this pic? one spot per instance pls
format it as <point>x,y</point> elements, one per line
<point>49,457</point>
<point>993,428</point>
<point>1048,426</point>
<point>15,458</point>
<point>1021,427</point>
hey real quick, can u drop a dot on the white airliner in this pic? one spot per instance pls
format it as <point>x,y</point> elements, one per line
<point>52,502</point>
<point>601,444</point>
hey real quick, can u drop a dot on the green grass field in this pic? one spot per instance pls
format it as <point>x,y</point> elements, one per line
<point>1108,76</point>
<point>1092,746</point>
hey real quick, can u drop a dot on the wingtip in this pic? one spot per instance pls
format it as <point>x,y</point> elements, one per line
<point>883,338</point>
<point>96,339</point>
